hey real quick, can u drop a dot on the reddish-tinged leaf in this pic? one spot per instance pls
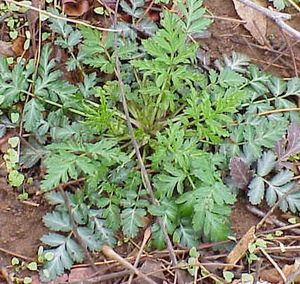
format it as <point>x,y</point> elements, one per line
<point>240,172</point>
<point>6,49</point>
<point>75,8</point>
<point>288,146</point>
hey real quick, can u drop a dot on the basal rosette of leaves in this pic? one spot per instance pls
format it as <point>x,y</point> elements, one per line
<point>201,134</point>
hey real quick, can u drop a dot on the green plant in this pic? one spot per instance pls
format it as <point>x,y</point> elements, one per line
<point>194,129</point>
<point>11,158</point>
<point>271,176</point>
<point>281,4</point>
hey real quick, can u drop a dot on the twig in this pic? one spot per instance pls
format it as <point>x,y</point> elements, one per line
<point>109,252</point>
<point>283,197</point>
<point>100,279</point>
<point>60,17</point>
<point>257,270</point>
<point>75,231</point>
<point>279,110</point>
<point>281,249</point>
<point>282,225</point>
<point>294,5</point>
<point>292,53</point>
<point>277,17</point>
<point>16,254</point>
<point>274,264</point>
<point>147,235</point>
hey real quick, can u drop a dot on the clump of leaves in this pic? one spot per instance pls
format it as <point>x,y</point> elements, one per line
<point>189,124</point>
<point>271,177</point>
<point>11,158</point>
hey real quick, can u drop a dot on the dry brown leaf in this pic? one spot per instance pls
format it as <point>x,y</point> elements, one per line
<point>241,248</point>
<point>270,275</point>
<point>289,269</point>
<point>152,267</point>
<point>81,273</point>
<point>75,8</point>
<point>6,49</point>
<point>18,46</point>
<point>256,23</point>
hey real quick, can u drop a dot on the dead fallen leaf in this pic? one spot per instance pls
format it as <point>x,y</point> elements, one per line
<point>289,269</point>
<point>241,248</point>
<point>78,274</point>
<point>256,23</point>
<point>270,275</point>
<point>18,46</point>
<point>75,8</point>
<point>152,267</point>
<point>6,49</point>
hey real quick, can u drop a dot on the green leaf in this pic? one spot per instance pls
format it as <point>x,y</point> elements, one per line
<point>74,250</point>
<point>194,21</point>
<point>90,239</point>
<point>57,221</point>
<point>257,190</point>
<point>53,239</point>
<point>229,78</point>
<point>166,184</point>
<point>132,220</point>
<point>32,266</point>
<point>185,235</point>
<point>168,211</point>
<point>32,115</point>
<point>56,266</point>
<point>266,163</point>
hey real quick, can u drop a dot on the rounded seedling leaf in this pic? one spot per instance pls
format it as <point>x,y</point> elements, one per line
<point>193,252</point>
<point>247,278</point>
<point>266,163</point>
<point>13,141</point>
<point>15,261</point>
<point>40,250</point>
<point>14,117</point>
<point>228,276</point>
<point>32,266</point>
<point>99,10</point>
<point>261,243</point>
<point>49,255</point>
<point>292,220</point>
<point>27,280</point>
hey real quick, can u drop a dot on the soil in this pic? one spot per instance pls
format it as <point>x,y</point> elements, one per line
<point>21,224</point>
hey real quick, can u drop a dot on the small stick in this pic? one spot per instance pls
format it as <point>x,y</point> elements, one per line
<point>258,269</point>
<point>283,249</point>
<point>16,254</point>
<point>147,235</point>
<point>109,252</point>
<point>279,110</point>
<point>283,226</point>
<point>292,53</point>
<point>283,197</point>
<point>274,264</point>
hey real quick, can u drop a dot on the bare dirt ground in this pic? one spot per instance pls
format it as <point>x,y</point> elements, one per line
<point>21,224</point>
